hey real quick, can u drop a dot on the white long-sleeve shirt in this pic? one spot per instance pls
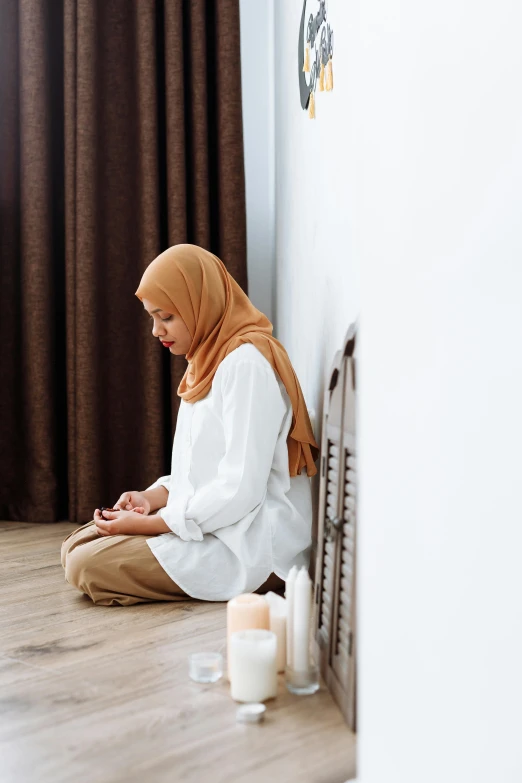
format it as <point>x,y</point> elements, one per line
<point>235,514</point>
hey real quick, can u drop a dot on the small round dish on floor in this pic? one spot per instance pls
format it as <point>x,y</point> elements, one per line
<point>251,713</point>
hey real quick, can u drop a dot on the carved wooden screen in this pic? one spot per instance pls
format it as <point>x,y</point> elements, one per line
<point>335,566</point>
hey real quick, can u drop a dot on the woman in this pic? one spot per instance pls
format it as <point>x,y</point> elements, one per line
<point>235,513</point>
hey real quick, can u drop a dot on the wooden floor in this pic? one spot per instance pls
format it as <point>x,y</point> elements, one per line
<point>96,694</point>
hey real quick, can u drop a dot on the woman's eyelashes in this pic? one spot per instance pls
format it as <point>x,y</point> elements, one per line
<point>168,318</point>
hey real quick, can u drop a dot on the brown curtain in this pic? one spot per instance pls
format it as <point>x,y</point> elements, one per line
<point>120,135</point>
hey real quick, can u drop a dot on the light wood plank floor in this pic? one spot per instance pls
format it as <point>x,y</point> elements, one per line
<point>96,694</point>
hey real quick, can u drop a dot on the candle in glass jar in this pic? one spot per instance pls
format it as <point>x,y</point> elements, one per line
<point>253,659</point>
<point>245,612</point>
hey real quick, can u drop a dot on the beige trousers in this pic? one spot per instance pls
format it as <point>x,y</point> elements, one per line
<point>121,570</point>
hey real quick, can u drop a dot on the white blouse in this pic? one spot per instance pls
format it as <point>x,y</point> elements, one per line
<point>236,515</point>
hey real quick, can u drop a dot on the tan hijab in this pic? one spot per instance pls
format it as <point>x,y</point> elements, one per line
<point>220,317</point>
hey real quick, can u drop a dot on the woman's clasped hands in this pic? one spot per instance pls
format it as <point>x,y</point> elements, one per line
<point>128,518</point>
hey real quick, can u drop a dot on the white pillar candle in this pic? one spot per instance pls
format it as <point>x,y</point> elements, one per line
<point>277,607</point>
<point>301,621</point>
<point>253,671</point>
<point>289,593</point>
<point>245,612</point>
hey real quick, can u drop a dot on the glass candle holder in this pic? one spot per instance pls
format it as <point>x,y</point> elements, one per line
<point>303,683</point>
<point>205,667</point>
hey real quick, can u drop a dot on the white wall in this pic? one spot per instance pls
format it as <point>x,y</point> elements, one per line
<point>300,257</point>
<point>257,76</point>
<point>412,173</point>
<point>316,286</point>
<point>438,130</point>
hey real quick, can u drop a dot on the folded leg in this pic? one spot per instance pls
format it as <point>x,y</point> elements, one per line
<point>116,570</point>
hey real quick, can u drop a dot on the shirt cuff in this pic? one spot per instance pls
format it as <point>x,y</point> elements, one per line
<point>186,529</point>
<point>164,481</point>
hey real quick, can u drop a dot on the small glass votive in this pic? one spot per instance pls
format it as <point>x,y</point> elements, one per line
<point>205,666</point>
<point>303,683</point>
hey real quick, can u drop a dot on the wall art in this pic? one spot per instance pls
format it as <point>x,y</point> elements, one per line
<point>315,56</point>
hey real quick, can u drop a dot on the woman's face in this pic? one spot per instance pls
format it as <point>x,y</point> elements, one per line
<point>169,329</point>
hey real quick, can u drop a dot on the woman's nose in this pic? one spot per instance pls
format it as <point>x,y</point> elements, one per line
<point>158,330</point>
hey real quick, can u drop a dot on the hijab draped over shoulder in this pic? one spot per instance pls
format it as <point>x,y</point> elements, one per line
<point>220,317</point>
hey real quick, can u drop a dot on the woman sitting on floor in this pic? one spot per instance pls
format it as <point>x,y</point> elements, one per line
<point>235,514</point>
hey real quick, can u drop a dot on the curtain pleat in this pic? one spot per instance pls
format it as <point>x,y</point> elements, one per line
<point>120,135</point>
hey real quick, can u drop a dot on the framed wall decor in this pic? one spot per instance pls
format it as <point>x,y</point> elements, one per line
<point>314,54</point>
